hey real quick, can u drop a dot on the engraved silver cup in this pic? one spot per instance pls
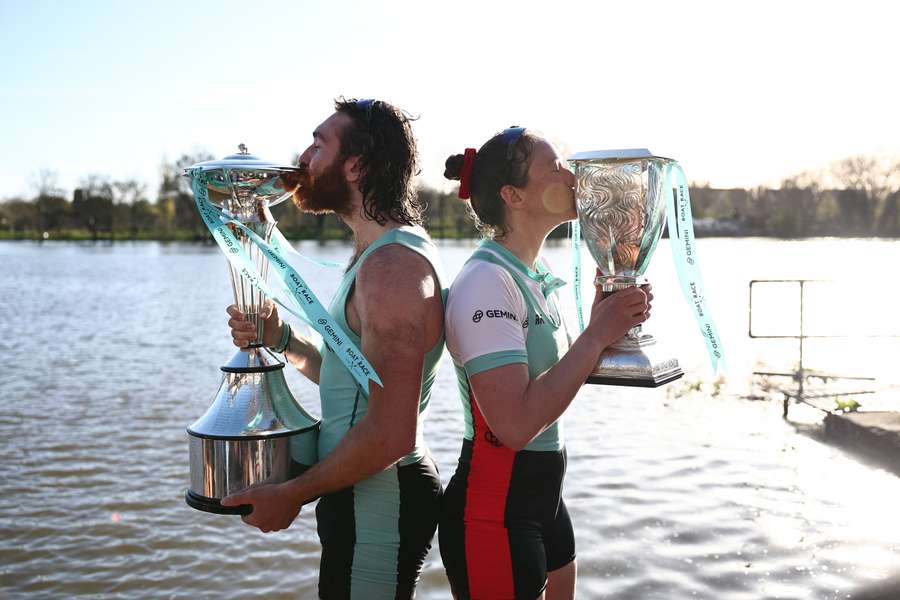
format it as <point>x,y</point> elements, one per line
<point>621,204</point>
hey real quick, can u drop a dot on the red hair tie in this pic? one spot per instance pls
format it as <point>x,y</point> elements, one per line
<point>465,175</point>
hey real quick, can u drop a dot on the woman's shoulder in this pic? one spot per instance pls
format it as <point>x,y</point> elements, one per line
<point>482,276</point>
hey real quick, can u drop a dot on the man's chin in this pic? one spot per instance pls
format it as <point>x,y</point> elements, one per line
<point>308,206</point>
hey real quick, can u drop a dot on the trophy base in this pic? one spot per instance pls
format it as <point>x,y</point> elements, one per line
<point>627,382</point>
<point>212,505</point>
<point>635,361</point>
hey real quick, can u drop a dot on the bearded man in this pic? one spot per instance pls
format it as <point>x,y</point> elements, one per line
<point>378,485</point>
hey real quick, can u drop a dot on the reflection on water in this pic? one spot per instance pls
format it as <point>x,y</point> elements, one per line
<point>116,351</point>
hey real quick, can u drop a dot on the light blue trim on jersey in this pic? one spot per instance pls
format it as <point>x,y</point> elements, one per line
<point>493,360</point>
<point>376,512</point>
<point>541,274</point>
<point>462,383</point>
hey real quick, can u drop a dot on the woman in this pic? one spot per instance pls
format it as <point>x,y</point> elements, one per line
<point>504,530</point>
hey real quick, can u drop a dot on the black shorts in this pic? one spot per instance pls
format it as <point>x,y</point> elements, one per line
<point>504,524</point>
<point>376,534</point>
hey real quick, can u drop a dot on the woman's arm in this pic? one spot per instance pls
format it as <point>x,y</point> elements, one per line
<point>518,409</point>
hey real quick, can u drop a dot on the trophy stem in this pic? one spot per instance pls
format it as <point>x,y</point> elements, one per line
<point>615,283</point>
<point>247,297</point>
<point>632,337</point>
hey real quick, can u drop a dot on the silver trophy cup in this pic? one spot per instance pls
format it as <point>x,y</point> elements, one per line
<point>254,431</point>
<point>621,205</point>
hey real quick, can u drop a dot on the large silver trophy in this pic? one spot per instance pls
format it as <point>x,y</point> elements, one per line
<point>254,431</point>
<point>621,203</point>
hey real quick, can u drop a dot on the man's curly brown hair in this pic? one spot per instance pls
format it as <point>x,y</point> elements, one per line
<point>381,135</point>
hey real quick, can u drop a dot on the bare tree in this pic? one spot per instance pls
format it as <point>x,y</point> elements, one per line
<point>93,203</point>
<point>869,182</point>
<point>128,194</point>
<point>45,183</point>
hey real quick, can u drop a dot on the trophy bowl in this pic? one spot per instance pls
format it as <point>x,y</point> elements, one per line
<point>621,201</point>
<point>254,431</point>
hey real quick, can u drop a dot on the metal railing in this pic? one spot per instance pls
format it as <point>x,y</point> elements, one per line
<point>802,375</point>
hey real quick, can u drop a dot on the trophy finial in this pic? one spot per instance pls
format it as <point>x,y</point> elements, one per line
<point>242,149</point>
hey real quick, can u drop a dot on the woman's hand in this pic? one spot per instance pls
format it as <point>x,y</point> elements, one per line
<point>243,332</point>
<point>613,314</point>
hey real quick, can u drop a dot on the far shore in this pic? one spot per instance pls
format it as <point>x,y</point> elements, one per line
<point>203,237</point>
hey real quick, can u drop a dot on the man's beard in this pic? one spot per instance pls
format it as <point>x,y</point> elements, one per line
<point>326,193</point>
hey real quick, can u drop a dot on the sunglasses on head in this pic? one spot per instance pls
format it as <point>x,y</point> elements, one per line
<point>366,104</point>
<point>510,136</point>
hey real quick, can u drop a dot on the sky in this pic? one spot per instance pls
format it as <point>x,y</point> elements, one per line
<point>740,93</point>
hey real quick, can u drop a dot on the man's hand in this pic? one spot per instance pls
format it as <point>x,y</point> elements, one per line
<point>243,332</point>
<point>274,507</point>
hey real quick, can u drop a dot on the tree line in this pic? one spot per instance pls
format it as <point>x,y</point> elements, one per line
<point>855,197</point>
<point>858,196</point>
<point>101,208</point>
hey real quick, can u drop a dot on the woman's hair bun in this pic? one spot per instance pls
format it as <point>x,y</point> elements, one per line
<point>453,166</point>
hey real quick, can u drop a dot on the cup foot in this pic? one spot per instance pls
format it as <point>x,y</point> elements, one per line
<point>635,382</point>
<point>212,505</point>
<point>636,361</point>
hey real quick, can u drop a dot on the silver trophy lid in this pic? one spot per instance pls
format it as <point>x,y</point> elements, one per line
<point>621,154</point>
<point>245,184</point>
<point>242,160</point>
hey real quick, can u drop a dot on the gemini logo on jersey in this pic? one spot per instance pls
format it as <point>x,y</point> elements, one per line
<point>494,313</point>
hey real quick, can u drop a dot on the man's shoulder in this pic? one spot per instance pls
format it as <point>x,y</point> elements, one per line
<point>393,265</point>
<point>396,283</point>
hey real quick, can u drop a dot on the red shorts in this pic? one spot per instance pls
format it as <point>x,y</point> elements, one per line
<point>503,522</point>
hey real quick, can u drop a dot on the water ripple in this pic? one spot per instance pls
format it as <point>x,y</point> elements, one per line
<point>671,498</point>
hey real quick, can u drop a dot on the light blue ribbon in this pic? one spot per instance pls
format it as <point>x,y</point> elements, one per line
<point>576,270</point>
<point>540,274</point>
<point>687,262</point>
<point>306,305</point>
<point>282,245</point>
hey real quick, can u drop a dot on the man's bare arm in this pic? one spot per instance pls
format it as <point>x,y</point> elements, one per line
<point>396,295</point>
<point>304,356</point>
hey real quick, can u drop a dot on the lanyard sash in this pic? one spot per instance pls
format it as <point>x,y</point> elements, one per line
<point>687,262</point>
<point>576,270</point>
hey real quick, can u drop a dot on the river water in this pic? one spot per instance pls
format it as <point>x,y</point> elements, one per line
<point>112,350</point>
